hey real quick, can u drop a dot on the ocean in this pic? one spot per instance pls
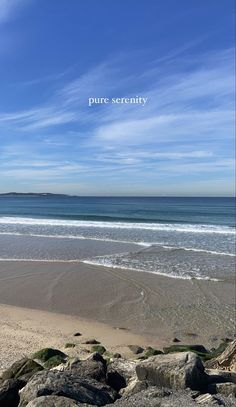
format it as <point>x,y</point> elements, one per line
<point>176,237</point>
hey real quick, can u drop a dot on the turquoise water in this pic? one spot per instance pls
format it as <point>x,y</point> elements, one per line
<point>178,237</point>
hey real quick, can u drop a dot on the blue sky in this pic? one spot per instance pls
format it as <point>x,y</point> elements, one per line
<point>56,54</point>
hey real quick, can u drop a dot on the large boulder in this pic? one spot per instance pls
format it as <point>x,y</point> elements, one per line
<point>22,368</point>
<point>68,384</point>
<point>126,368</point>
<point>54,401</point>
<point>9,392</point>
<point>120,373</point>
<point>174,370</point>
<point>93,367</point>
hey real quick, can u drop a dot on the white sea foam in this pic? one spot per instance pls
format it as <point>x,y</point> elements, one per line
<point>143,244</point>
<point>109,263</point>
<point>169,227</point>
<point>106,264</point>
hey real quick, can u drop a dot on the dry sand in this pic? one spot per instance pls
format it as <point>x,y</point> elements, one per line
<point>152,308</point>
<point>24,331</point>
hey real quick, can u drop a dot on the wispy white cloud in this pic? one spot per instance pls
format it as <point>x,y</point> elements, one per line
<point>179,133</point>
<point>9,7</point>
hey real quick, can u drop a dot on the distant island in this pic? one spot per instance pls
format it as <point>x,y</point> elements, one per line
<point>33,194</point>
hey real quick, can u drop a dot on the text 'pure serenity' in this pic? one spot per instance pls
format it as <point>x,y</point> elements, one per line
<point>137,100</point>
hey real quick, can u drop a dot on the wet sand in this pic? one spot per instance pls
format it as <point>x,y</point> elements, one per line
<point>155,307</point>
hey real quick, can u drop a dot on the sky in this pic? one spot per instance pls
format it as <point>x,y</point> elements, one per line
<point>55,55</point>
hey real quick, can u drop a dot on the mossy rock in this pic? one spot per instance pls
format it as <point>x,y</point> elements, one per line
<point>186,348</point>
<point>200,350</point>
<point>47,353</point>
<point>151,352</point>
<point>21,368</point>
<point>70,345</point>
<point>99,349</point>
<point>54,361</point>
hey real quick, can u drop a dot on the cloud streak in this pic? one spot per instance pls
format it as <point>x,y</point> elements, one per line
<point>9,7</point>
<point>181,130</point>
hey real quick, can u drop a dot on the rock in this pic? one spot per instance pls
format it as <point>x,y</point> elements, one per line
<point>134,386</point>
<point>174,370</point>
<point>92,342</point>
<point>54,361</point>
<point>220,376</point>
<point>77,334</point>
<point>44,354</point>
<point>225,360</point>
<point>117,355</point>
<point>154,397</point>
<point>198,349</point>
<point>9,389</point>
<point>125,368</point>
<point>89,368</point>
<point>151,397</point>
<point>53,401</point>
<point>115,380</point>
<point>97,357</point>
<point>67,384</point>
<point>151,352</point>
<point>175,340</point>
<point>98,349</point>
<point>136,349</point>
<point>24,367</point>
<point>223,388</point>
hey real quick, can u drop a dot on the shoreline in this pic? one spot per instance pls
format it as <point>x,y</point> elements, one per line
<point>151,306</point>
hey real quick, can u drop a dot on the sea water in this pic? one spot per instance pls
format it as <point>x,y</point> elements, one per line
<point>177,237</point>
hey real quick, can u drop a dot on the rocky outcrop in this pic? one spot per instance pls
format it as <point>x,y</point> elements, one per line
<point>68,384</point>
<point>164,380</point>
<point>174,370</point>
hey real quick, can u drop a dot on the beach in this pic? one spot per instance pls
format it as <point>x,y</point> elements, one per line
<point>125,271</point>
<point>45,303</point>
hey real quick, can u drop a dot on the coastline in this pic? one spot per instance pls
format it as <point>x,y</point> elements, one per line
<point>153,309</point>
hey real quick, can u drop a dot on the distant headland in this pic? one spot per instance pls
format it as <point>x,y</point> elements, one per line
<point>33,194</point>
